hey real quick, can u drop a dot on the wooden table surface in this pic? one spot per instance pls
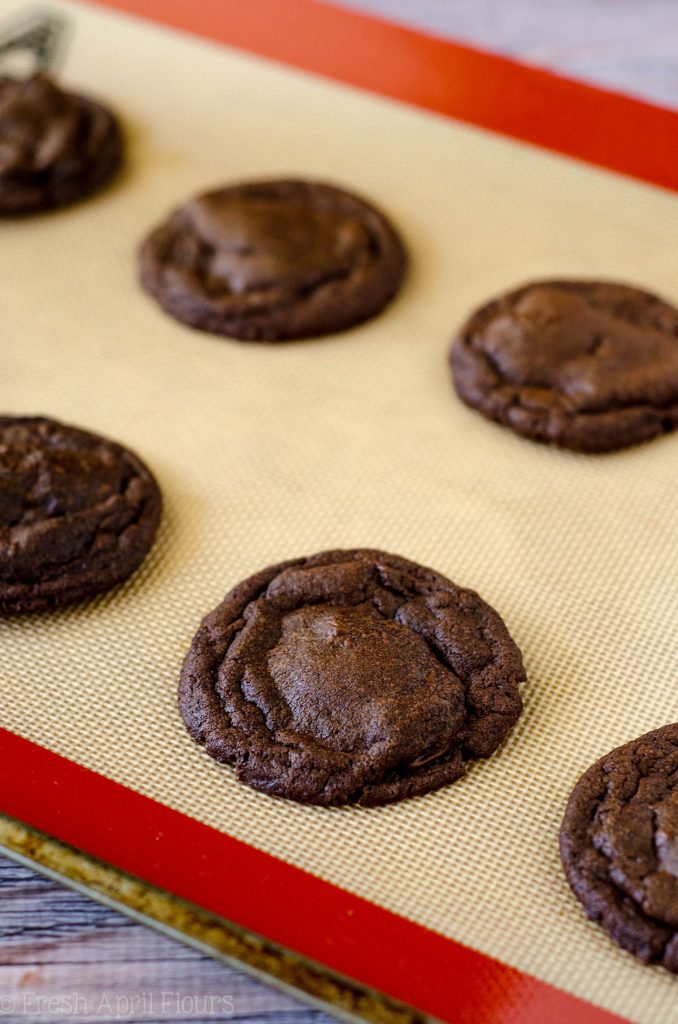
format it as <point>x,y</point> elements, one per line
<point>61,954</point>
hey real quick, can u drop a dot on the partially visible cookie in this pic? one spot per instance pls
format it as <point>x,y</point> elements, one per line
<point>55,146</point>
<point>273,260</point>
<point>587,365</point>
<point>619,845</point>
<point>350,676</point>
<point>78,514</point>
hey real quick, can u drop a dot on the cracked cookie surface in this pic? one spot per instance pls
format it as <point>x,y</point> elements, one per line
<point>273,260</point>
<point>619,845</point>
<point>350,676</point>
<point>587,365</point>
<point>78,514</point>
<point>55,146</point>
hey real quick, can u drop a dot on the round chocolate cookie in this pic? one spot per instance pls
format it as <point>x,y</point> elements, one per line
<point>350,676</point>
<point>586,365</point>
<point>55,146</point>
<point>619,845</point>
<point>78,514</point>
<point>273,260</point>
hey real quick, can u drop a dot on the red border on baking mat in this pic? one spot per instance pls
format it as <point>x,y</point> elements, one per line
<point>172,851</point>
<point>263,894</point>
<point>591,124</point>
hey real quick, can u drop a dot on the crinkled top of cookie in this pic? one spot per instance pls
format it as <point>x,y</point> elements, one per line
<point>573,361</point>
<point>620,844</point>
<point>54,145</point>
<point>39,123</point>
<point>72,506</point>
<point>263,243</point>
<point>351,675</point>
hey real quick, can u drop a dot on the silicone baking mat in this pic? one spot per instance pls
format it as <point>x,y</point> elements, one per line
<point>455,902</point>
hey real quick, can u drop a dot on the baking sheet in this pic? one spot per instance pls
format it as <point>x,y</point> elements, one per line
<point>268,452</point>
<point>214,936</point>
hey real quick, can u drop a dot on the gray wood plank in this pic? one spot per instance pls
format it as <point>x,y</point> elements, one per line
<point>626,45</point>
<point>62,955</point>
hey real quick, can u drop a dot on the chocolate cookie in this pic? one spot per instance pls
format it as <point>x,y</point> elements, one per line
<point>78,514</point>
<point>273,260</point>
<point>55,146</point>
<point>586,365</point>
<point>619,845</point>
<point>350,676</point>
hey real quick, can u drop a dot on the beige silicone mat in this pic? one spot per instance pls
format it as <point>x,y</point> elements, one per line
<point>267,452</point>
